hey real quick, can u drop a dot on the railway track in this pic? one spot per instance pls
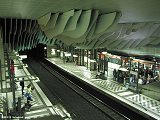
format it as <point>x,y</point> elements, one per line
<point>110,112</point>
<point>105,110</point>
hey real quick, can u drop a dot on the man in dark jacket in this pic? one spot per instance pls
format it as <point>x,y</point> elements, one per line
<point>22,85</point>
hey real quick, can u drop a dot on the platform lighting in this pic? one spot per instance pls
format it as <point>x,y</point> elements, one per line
<point>104,52</point>
<point>92,61</point>
<point>75,56</point>
<point>53,52</point>
<point>123,69</point>
<point>58,50</point>
<point>23,56</point>
<point>154,59</point>
<point>67,54</point>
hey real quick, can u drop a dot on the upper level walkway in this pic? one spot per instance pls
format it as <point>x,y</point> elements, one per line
<point>141,102</point>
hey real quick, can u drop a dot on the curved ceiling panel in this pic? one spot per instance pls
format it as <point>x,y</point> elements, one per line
<point>61,23</point>
<point>82,25</point>
<point>122,45</point>
<point>19,33</point>
<point>42,21</point>
<point>151,29</point>
<point>14,33</point>
<point>104,38</point>
<point>101,38</point>
<point>155,41</point>
<point>72,23</point>
<point>129,43</point>
<point>9,34</point>
<point>28,34</point>
<point>51,23</point>
<point>70,40</point>
<point>93,20</point>
<point>32,32</point>
<point>104,22</point>
<point>24,28</point>
<point>91,33</point>
<point>91,43</point>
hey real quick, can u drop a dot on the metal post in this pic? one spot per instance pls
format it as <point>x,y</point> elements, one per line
<point>154,68</point>
<point>13,88</point>
<point>64,58</point>
<point>80,57</point>
<point>71,54</point>
<point>104,64</point>
<point>82,52</point>
<point>121,61</point>
<point>107,66</point>
<point>130,63</point>
<point>87,59</point>
<point>19,105</point>
<point>95,58</point>
<point>137,78</point>
<point>99,58</point>
<point>1,77</point>
<point>11,76</point>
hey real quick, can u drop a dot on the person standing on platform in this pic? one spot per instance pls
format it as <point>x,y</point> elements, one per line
<point>28,93</point>
<point>115,74</point>
<point>22,85</point>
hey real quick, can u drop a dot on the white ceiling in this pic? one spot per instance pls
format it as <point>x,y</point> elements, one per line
<point>132,10</point>
<point>136,24</point>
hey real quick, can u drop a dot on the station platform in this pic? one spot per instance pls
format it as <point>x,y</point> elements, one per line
<point>141,102</point>
<point>41,106</point>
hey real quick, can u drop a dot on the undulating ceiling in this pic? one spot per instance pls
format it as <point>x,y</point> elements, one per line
<point>130,26</point>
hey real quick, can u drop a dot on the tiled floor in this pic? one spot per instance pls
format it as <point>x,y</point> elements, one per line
<point>109,85</point>
<point>137,100</point>
<point>146,102</point>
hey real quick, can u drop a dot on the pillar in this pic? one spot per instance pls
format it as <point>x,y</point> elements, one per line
<point>3,73</point>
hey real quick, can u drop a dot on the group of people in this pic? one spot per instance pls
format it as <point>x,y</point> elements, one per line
<point>21,109</point>
<point>148,79</point>
<point>144,76</point>
<point>119,76</point>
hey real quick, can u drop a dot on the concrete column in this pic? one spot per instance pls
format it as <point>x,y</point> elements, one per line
<point>82,57</point>
<point>2,56</point>
<point>87,59</point>
<point>137,79</point>
<point>49,51</point>
<point>79,57</point>
<point>95,58</point>
<point>72,52</point>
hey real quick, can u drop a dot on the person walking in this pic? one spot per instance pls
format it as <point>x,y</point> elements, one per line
<point>22,85</point>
